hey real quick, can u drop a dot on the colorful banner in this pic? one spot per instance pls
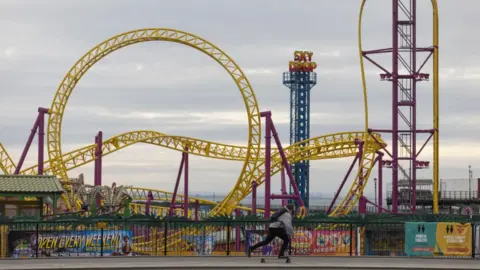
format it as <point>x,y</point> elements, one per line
<point>454,239</point>
<point>23,244</point>
<point>438,239</point>
<point>203,245</point>
<point>306,242</point>
<point>255,236</point>
<point>333,243</point>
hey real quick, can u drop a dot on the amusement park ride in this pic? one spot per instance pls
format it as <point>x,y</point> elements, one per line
<point>367,146</point>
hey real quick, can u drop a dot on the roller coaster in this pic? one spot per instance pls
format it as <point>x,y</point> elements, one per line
<point>253,156</point>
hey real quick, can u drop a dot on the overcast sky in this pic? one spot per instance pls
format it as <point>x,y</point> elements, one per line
<point>176,90</point>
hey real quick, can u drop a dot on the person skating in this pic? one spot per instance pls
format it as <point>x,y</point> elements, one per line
<point>280,227</point>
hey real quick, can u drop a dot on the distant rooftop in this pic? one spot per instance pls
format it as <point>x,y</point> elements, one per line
<point>35,184</point>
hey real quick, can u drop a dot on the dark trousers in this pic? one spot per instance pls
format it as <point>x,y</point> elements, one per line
<point>272,233</point>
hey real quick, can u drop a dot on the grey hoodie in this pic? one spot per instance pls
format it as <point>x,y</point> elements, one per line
<point>284,221</point>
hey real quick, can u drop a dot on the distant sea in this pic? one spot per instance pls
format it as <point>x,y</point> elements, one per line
<point>315,201</point>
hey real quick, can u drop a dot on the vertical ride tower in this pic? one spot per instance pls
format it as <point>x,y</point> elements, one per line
<point>408,61</point>
<point>300,79</point>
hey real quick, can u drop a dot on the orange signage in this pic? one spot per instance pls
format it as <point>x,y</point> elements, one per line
<point>302,62</point>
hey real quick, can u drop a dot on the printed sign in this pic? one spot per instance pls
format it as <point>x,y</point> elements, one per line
<point>23,244</point>
<point>420,238</point>
<point>306,242</point>
<point>438,239</point>
<point>454,239</point>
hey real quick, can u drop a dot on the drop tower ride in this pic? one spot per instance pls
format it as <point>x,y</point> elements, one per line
<point>300,79</point>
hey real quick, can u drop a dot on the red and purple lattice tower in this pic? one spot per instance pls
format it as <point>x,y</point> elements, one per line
<point>408,61</point>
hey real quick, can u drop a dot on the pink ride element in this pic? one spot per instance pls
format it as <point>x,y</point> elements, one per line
<point>183,165</point>
<point>404,97</point>
<point>362,202</point>
<point>284,187</point>
<point>254,197</point>
<point>270,130</point>
<point>238,245</point>
<point>98,164</point>
<point>149,201</point>
<point>357,157</point>
<point>39,126</point>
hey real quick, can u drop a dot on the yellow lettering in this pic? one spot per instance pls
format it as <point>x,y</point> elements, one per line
<point>54,242</point>
<point>61,243</point>
<point>42,242</point>
<point>297,55</point>
<point>89,242</point>
<point>309,56</point>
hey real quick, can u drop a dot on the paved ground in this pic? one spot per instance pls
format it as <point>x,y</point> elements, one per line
<point>170,263</point>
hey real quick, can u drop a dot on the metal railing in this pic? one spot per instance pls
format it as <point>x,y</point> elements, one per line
<point>101,238</point>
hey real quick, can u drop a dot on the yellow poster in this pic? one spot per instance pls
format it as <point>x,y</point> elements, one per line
<point>453,239</point>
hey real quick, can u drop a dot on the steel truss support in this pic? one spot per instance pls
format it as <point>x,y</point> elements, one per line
<point>184,167</point>
<point>335,197</point>
<point>270,130</point>
<point>38,126</point>
<point>362,202</point>
<point>405,73</point>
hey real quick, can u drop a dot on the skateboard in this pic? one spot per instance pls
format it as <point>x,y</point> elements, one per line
<point>287,259</point>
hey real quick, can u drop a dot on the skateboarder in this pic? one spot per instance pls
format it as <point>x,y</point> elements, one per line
<point>280,227</point>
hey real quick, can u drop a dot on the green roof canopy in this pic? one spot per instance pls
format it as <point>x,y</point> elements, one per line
<point>31,185</point>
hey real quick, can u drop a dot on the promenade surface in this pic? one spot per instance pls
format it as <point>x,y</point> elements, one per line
<point>152,263</point>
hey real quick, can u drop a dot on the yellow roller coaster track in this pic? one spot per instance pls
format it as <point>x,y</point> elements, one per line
<point>6,163</point>
<point>436,105</point>
<point>326,147</point>
<point>144,35</point>
<point>329,146</point>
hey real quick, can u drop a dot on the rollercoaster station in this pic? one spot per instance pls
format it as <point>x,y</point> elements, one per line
<point>367,147</point>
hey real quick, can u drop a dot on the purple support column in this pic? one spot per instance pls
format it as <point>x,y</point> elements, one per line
<point>380,182</point>
<point>41,138</point>
<point>284,188</point>
<point>237,232</point>
<point>95,162</point>
<point>177,183</point>
<point>27,146</point>
<point>98,155</point>
<point>98,165</point>
<point>362,205</point>
<point>285,163</point>
<point>185,191</point>
<point>254,197</point>
<point>149,201</point>
<point>197,205</point>
<point>268,142</point>
<point>342,184</point>
<point>478,188</point>
<point>99,145</point>
<point>413,164</point>
<point>360,154</point>
<point>395,107</point>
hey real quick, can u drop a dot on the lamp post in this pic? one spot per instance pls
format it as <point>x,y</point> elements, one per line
<point>375,184</point>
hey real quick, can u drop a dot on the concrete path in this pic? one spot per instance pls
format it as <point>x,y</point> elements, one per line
<point>205,263</point>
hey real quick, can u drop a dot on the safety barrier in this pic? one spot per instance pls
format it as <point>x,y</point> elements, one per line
<point>121,237</point>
